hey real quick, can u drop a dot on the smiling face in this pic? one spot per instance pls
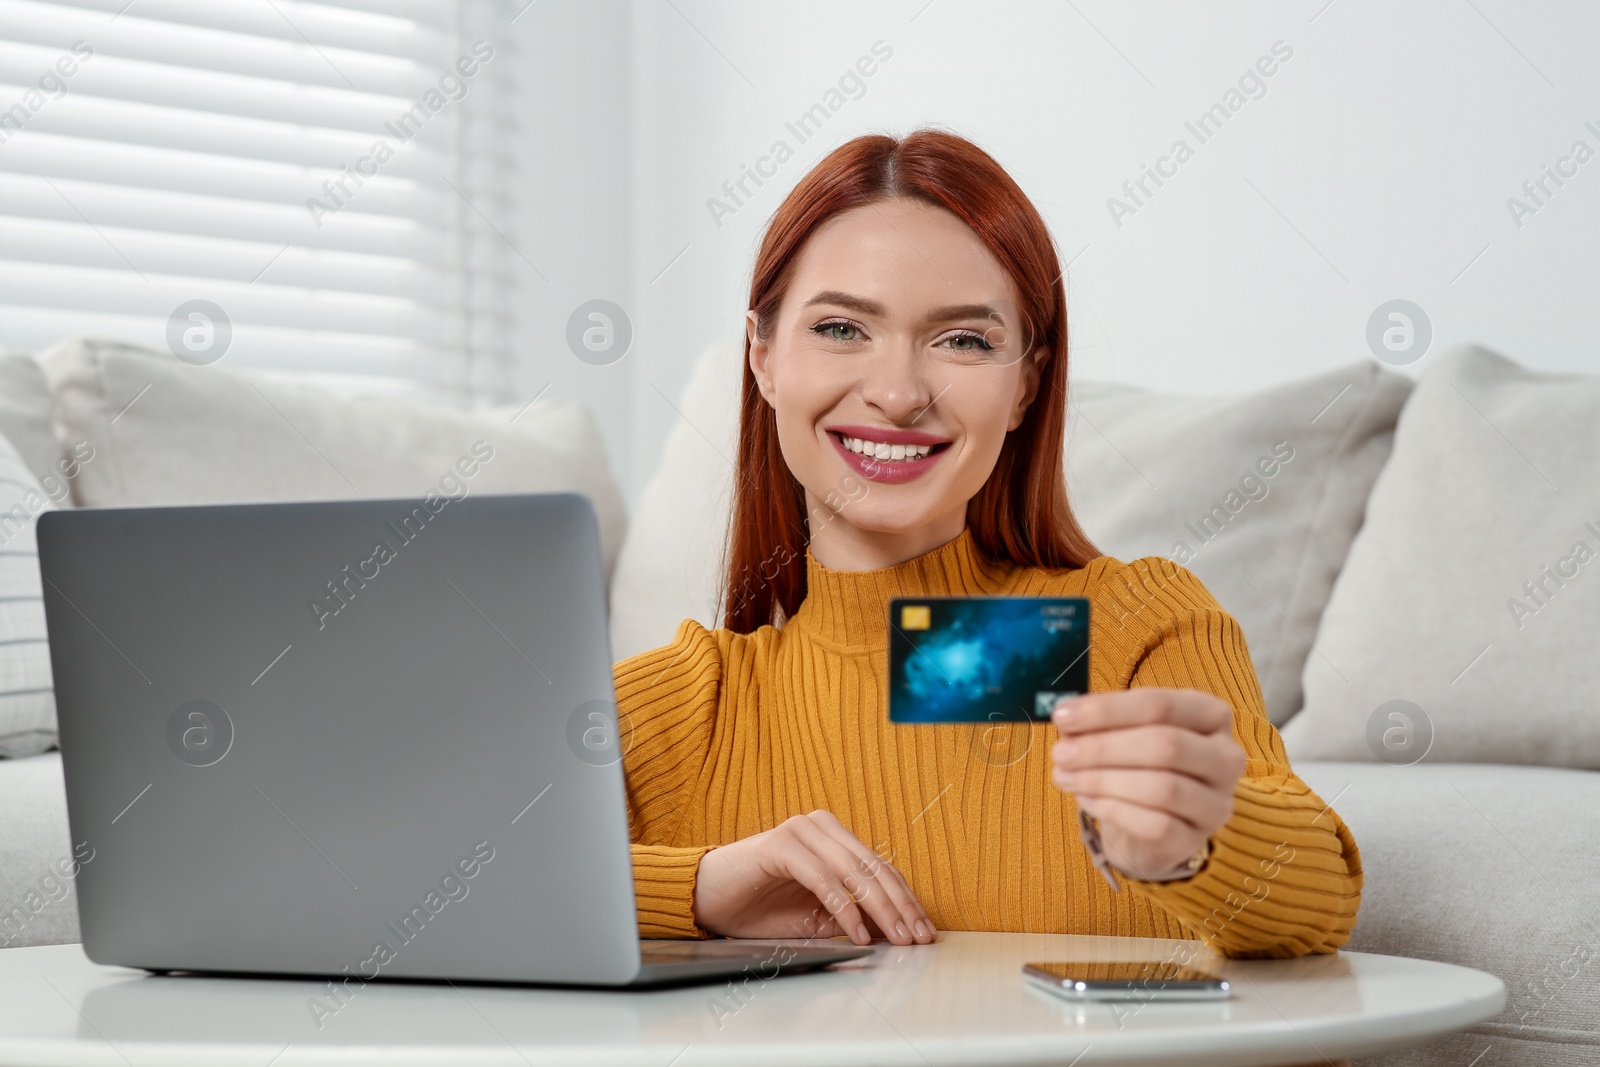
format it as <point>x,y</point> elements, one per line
<point>896,365</point>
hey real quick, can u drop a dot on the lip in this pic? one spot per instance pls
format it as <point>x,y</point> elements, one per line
<point>886,471</point>
<point>888,435</point>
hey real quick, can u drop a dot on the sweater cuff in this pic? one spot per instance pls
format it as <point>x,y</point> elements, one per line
<point>1283,877</point>
<point>663,888</point>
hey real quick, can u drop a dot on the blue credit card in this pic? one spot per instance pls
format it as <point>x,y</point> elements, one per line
<point>985,659</point>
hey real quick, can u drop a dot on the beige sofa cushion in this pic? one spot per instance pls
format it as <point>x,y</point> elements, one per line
<point>1149,474</point>
<point>1478,866</point>
<point>1473,591</point>
<point>40,905</point>
<point>168,432</point>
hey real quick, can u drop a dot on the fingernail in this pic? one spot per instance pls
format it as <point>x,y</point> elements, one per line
<point>1069,749</point>
<point>923,930</point>
<point>1067,779</point>
<point>861,934</point>
<point>900,929</point>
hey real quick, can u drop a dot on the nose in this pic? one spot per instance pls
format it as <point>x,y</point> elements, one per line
<point>895,381</point>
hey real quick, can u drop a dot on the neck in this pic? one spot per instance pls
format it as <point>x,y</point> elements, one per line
<point>851,607</point>
<point>840,545</point>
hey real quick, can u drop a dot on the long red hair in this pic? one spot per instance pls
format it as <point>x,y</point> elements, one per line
<point>1021,514</point>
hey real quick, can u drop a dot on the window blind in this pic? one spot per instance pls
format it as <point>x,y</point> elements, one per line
<point>324,173</point>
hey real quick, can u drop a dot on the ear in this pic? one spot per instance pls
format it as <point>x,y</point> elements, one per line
<point>1027,388</point>
<point>760,352</point>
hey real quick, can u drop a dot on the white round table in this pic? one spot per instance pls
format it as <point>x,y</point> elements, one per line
<point>961,1001</point>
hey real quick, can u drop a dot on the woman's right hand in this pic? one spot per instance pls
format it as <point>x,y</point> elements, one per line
<point>806,877</point>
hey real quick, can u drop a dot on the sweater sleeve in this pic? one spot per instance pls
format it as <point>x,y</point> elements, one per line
<point>1284,875</point>
<point>666,703</point>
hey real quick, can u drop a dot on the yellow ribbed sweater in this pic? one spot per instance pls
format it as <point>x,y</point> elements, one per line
<point>729,734</point>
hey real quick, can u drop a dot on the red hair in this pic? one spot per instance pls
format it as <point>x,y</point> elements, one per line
<point>1021,514</point>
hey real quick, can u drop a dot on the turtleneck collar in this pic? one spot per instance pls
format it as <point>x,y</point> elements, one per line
<point>850,609</point>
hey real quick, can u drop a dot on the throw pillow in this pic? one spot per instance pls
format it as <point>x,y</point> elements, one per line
<point>27,696</point>
<point>1465,623</point>
<point>169,432</point>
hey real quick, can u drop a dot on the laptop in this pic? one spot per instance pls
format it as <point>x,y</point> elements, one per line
<point>360,739</point>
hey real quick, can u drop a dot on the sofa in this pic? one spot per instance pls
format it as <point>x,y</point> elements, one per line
<point>1415,565</point>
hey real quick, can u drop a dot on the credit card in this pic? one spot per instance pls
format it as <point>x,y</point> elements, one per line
<point>985,659</point>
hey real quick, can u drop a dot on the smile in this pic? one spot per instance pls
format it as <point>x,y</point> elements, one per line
<point>884,450</point>
<point>885,455</point>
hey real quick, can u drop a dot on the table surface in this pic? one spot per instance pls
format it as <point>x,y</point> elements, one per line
<point>961,1000</point>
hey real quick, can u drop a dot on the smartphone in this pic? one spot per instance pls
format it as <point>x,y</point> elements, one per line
<point>1126,981</point>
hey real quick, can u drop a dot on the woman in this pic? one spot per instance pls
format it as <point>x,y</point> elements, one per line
<point>901,435</point>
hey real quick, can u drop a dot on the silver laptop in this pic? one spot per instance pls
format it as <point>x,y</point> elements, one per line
<point>372,739</point>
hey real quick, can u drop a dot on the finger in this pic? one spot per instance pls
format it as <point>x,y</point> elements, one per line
<point>796,860</point>
<point>819,925</point>
<point>832,896</point>
<point>1199,806</point>
<point>919,923</point>
<point>814,929</point>
<point>1143,706</point>
<point>882,867</point>
<point>793,908</point>
<point>893,882</point>
<point>888,876</point>
<point>860,879</point>
<point>1151,748</point>
<point>923,926</point>
<point>812,920</point>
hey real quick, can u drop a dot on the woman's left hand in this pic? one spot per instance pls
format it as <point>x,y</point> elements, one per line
<point>1156,767</point>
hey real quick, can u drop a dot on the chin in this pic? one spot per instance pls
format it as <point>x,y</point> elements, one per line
<point>888,517</point>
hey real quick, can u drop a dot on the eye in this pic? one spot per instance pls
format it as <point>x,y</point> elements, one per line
<point>967,341</point>
<point>838,330</point>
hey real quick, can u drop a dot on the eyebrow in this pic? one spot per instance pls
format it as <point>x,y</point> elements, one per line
<point>864,306</point>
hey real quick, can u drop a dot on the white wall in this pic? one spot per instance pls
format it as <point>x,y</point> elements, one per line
<point>1377,165</point>
<point>573,219</point>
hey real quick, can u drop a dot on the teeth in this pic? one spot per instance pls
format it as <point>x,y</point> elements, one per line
<point>885,451</point>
